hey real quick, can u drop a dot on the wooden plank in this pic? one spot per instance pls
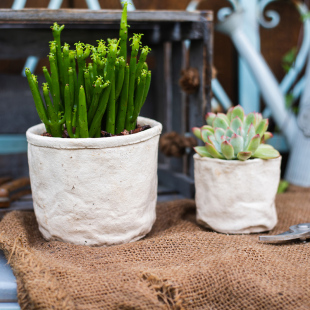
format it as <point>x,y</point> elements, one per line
<point>197,101</point>
<point>159,91</point>
<point>200,57</point>
<point>208,50</point>
<point>177,98</point>
<point>13,144</point>
<point>179,181</point>
<point>46,16</point>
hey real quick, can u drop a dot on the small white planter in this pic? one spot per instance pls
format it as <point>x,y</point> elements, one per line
<point>96,191</point>
<point>234,196</point>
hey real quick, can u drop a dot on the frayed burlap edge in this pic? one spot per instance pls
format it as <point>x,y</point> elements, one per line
<point>40,279</point>
<point>166,291</point>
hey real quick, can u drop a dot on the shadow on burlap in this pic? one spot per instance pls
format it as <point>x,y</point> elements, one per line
<point>179,265</point>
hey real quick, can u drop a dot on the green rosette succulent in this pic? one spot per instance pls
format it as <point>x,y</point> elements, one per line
<point>235,136</point>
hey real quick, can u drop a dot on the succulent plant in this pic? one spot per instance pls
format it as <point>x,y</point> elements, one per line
<point>235,136</point>
<point>85,96</point>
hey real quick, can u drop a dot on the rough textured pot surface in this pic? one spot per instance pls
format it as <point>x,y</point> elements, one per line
<point>94,191</point>
<point>234,196</point>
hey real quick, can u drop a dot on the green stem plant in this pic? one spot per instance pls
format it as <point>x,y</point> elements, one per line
<point>92,88</point>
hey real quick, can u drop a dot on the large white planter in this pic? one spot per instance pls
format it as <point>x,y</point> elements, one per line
<point>94,192</point>
<point>234,196</point>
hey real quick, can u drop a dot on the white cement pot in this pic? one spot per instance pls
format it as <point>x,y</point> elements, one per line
<point>234,196</point>
<point>94,192</point>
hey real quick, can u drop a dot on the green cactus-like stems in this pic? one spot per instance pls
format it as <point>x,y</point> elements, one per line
<point>72,55</point>
<point>123,33</point>
<point>52,115</point>
<point>55,84</point>
<point>33,84</point>
<point>82,110</point>
<point>47,77</point>
<point>110,76</point>
<point>94,65</point>
<point>71,83</point>
<point>88,88</point>
<point>139,97</point>
<point>56,29</point>
<point>147,86</point>
<point>98,65</point>
<point>68,109</point>
<point>75,127</point>
<point>99,86</point>
<point>122,108</point>
<point>68,112</point>
<point>120,77</point>
<point>110,124</point>
<point>53,48</point>
<point>132,74</point>
<point>66,62</point>
<point>101,48</point>
<point>103,102</point>
<point>116,69</point>
<point>54,123</point>
<point>82,52</point>
<point>95,126</point>
<point>140,66</point>
<point>91,72</point>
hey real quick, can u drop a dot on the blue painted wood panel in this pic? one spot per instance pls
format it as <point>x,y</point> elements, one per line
<point>13,144</point>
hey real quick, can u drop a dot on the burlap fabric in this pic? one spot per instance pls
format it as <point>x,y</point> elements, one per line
<point>179,265</point>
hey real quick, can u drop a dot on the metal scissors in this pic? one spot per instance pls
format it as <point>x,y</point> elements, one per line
<point>295,232</point>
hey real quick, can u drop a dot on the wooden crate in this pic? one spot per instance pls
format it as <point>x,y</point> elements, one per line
<point>27,32</point>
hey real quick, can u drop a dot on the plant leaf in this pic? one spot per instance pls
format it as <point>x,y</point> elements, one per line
<point>227,150</point>
<point>229,132</point>
<point>205,133</point>
<point>262,127</point>
<point>240,131</point>
<point>213,152</point>
<point>202,151</point>
<point>258,119</point>
<point>210,117</point>
<point>214,142</point>
<point>237,142</point>
<point>267,135</point>
<point>250,134</point>
<point>244,155</point>
<point>250,119</point>
<point>224,117</point>
<point>283,185</point>
<point>235,123</point>
<point>197,133</point>
<point>219,122</point>
<point>229,112</point>
<point>265,151</point>
<point>238,111</point>
<point>207,127</point>
<point>253,144</point>
<point>219,133</point>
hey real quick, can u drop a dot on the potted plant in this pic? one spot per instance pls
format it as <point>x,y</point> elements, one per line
<point>92,164</point>
<point>236,173</point>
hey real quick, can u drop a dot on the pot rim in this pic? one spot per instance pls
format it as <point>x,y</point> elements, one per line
<point>34,137</point>
<point>233,161</point>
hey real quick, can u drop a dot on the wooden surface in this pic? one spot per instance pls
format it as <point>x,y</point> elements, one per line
<point>80,16</point>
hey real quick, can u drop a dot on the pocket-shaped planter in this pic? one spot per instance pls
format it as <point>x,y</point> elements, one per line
<point>94,191</point>
<point>236,197</point>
